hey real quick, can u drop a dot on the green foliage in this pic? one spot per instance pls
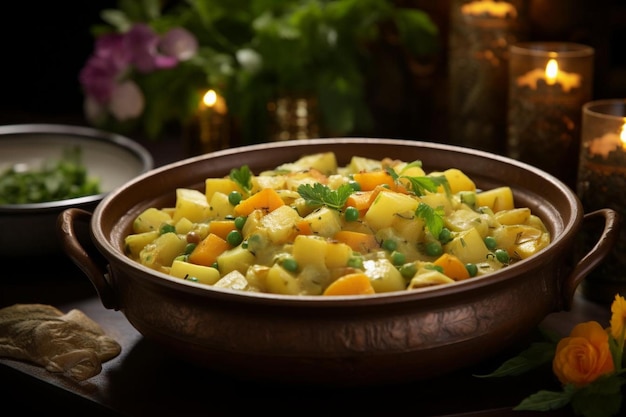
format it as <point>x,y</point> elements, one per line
<point>319,194</point>
<point>316,48</point>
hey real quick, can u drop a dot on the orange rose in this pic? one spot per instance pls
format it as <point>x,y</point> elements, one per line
<point>583,356</point>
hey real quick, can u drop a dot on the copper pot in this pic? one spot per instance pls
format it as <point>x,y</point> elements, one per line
<point>391,337</point>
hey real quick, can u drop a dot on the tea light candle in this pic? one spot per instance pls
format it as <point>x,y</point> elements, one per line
<point>480,34</point>
<point>490,8</point>
<point>210,129</point>
<point>548,84</point>
<point>551,76</point>
<point>602,184</point>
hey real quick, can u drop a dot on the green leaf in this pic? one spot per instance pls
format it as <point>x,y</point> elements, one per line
<point>545,401</point>
<point>536,355</point>
<point>243,177</point>
<point>432,217</point>
<point>319,194</point>
<point>601,398</point>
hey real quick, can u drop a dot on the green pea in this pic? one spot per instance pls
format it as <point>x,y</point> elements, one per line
<point>189,248</point>
<point>234,238</point>
<point>490,242</point>
<point>192,279</point>
<point>290,264</point>
<point>433,249</point>
<point>167,228</point>
<point>355,185</point>
<point>389,245</point>
<point>502,256</point>
<point>355,262</point>
<point>408,270</point>
<point>445,236</point>
<point>398,258</point>
<point>234,198</point>
<point>240,221</point>
<point>351,214</point>
<point>472,269</point>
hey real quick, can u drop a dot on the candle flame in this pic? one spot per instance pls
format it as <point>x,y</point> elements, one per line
<point>622,135</point>
<point>552,71</point>
<point>210,98</point>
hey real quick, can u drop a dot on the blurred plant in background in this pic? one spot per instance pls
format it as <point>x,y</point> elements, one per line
<point>153,60</point>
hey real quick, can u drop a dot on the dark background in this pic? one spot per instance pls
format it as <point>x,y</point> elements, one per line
<point>45,44</point>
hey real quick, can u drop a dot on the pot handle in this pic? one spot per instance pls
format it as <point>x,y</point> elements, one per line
<point>602,248</point>
<point>96,272</point>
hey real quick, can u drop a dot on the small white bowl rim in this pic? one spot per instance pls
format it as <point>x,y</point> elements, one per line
<point>144,158</point>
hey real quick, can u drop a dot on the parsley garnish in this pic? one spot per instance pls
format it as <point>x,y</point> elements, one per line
<point>433,218</point>
<point>243,177</point>
<point>319,194</point>
<point>419,185</point>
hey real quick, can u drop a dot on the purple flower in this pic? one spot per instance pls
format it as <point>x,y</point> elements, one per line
<point>104,77</point>
<point>109,60</point>
<point>143,45</point>
<point>179,43</point>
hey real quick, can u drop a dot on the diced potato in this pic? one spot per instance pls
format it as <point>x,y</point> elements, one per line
<point>309,250</point>
<point>280,281</point>
<point>428,278</point>
<point>514,216</point>
<point>386,206</point>
<point>384,275</point>
<point>280,224</point>
<point>136,242</point>
<point>220,206</point>
<point>337,254</point>
<point>235,259</point>
<point>520,241</point>
<point>458,181</point>
<point>191,204</point>
<point>313,279</point>
<point>162,251</point>
<point>234,280</point>
<point>204,274</point>
<point>361,164</point>
<point>496,199</point>
<point>184,226</point>
<point>460,220</point>
<point>150,219</point>
<point>324,221</point>
<point>436,200</point>
<point>468,246</point>
<point>324,162</point>
<point>221,185</point>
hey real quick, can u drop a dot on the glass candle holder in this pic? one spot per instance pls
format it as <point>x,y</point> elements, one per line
<point>210,129</point>
<point>602,184</point>
<point>548,84</point>
<point>480,34</point>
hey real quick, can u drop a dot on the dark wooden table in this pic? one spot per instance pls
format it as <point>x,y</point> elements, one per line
<point>146,380</point>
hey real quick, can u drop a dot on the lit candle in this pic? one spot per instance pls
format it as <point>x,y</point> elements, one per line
<point>548,84</point>
<point>213,101</point>
<point>491,8</point>
<point>601,183</point>
<point>210,129</point>
<point>552,75</point>
<point>608,142</point>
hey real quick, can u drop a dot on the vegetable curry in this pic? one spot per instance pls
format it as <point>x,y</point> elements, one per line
<point>311,227</point>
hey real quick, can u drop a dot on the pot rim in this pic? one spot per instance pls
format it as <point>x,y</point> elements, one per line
<point>558,245</point>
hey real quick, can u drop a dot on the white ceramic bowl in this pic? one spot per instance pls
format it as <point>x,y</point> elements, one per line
<point>30,229</point>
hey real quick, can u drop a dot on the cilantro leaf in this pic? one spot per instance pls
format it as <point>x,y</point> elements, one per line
<point>432,217</point>
<point>419,185</point>
<point>243,177</point>
<point>319,194</point>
